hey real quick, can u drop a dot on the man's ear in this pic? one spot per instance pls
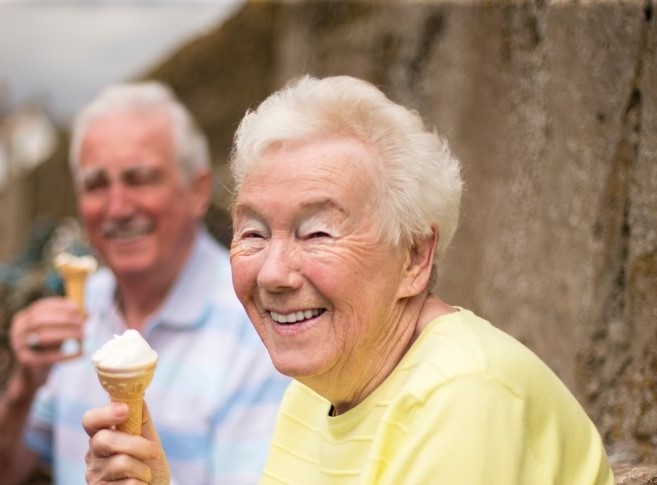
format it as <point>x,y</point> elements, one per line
<point>418,265</point>
<point>200,189</point>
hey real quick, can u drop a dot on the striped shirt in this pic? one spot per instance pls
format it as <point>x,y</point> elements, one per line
<point>214,395</point>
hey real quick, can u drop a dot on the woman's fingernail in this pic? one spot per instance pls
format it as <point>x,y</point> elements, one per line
<point>120,409</point>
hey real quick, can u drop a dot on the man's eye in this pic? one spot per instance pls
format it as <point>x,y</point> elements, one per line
<point>94,184</point>
<point>141,177</point>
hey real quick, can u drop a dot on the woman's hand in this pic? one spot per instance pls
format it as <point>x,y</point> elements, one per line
<point>116,457</point>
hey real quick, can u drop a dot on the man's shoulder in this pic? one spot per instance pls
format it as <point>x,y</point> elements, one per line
<point>210,246</point>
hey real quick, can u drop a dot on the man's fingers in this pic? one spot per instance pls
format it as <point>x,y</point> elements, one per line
<point>44,325</point>
<point>53,305</point>
<point>56,333</point>
<point>44,356</point>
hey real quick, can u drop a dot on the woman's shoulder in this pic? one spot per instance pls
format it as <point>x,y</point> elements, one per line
<point>464,345</point>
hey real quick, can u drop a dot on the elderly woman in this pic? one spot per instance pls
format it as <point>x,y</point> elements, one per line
<point>344,206</point>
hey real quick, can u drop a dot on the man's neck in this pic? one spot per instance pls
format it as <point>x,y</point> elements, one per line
<point>139,300</point>
<point>141,296</point>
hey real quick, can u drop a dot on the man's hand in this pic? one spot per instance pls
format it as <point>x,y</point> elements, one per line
<point>114,456</point>
<point>37,334</point>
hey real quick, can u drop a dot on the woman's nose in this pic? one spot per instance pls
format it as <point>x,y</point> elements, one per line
<point>280,270</point>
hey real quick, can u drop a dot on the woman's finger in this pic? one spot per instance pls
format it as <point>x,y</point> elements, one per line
<point>118,469</point>
<point>97,419</point>
<point>107,443</point>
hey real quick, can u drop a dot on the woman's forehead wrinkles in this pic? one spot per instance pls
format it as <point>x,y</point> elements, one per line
<point>248,209</point>
<point>322,205</point>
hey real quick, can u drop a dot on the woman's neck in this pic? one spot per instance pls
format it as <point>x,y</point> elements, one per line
<point>352,384</point>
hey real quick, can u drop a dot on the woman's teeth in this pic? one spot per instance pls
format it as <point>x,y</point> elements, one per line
<point>295,317</point>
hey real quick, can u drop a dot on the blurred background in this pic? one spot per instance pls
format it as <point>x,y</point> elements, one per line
<point>58,54</point>
<point>550,105</point>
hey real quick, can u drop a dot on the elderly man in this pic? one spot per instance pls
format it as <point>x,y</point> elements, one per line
<point>344,205</point>
<point>142,172</point>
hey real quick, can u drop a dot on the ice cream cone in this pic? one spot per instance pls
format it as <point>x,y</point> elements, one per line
<point>74,271</point>
<point>128,385</point>
<point>75,289</point>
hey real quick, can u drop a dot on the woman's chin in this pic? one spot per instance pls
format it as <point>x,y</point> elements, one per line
<point>297,365</point>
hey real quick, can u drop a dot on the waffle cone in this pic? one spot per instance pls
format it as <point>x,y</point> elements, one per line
<point>74,271</point>
<point>74,277</point>
<point>74,285</point>
<point>128,385</point>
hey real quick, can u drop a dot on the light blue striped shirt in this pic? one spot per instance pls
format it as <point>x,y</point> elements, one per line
<point>214,395</point>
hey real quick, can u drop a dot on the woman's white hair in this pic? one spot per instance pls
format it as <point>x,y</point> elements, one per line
<point>192,152</point>
<point>420,186</point>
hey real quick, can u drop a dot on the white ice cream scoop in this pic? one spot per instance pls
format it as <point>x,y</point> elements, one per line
<point>125,367</point>
<point>127,350</point>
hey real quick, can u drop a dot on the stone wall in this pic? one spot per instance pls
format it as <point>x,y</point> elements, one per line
<point>552,108</point>
<point>635,475</point>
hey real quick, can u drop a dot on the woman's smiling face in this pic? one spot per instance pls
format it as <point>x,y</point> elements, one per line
<point>309,264</point>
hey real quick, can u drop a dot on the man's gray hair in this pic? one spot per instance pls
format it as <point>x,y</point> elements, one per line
<point>192,152</point>
<point>420,183</point>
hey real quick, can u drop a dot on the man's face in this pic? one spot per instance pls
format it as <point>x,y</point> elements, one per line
<point>308,262</point>
<point>138,212</point>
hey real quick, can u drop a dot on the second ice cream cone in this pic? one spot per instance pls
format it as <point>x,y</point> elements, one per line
<point>128,385</point>
<point>75,289</point>
<point>74,271</point>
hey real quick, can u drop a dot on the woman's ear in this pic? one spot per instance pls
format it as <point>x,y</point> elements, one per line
<point>418,265</point>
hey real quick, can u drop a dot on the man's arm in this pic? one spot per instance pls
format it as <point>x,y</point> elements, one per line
<point>16,460</point>
<point>37,333</point>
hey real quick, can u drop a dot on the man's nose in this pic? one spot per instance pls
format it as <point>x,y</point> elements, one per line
<point>280,270</point>
<point>119,204</point>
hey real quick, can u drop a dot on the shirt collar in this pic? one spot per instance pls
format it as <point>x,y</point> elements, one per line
<point>192,293</point>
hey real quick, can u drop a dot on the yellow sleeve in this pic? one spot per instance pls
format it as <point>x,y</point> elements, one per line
<point>471,431</point>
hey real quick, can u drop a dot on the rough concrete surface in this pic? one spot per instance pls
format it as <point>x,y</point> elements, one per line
<point>636,475</point>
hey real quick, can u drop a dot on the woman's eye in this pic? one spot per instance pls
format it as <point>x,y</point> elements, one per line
<point>317,234</point>
<point>252,235</point>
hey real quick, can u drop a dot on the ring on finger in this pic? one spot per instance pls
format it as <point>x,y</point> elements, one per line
<point>33,340</point>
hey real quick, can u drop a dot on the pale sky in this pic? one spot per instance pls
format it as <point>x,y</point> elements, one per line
<point>61,52</point>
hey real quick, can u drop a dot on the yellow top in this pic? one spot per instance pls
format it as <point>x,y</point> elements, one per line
<point>467,405</point>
